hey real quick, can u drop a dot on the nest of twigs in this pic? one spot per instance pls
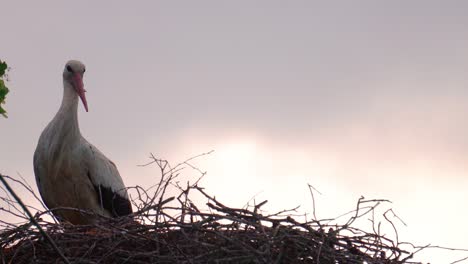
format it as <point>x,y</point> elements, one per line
<point>173,229</point>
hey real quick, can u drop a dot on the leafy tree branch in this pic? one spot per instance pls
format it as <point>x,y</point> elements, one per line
<point>3,89</point>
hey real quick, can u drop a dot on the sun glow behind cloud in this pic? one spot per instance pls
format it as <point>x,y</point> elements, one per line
<point>248,166</point>
<point>237,158</point>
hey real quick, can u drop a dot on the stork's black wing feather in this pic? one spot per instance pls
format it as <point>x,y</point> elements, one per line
<point>113,202</point>
<point>107,182</point>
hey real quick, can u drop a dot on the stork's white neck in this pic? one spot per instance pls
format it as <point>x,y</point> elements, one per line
<point>69,100</point>
<point>66,119</point>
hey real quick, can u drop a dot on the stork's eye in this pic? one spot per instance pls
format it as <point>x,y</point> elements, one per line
<point>84,69</point>
<point>69,69</point>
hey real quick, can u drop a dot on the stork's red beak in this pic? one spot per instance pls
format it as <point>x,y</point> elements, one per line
<point>79,87</point>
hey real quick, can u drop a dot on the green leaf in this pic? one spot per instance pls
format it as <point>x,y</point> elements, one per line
<point>3,91</point>
<point>2,111</point>
<point>3,68</point>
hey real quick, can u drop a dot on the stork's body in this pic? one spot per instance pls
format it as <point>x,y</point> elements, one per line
<point>71,172</point>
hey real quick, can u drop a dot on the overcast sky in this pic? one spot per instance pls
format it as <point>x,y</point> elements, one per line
<point>354,97</point>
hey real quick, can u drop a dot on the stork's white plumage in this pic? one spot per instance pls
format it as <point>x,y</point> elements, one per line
<point>71,172</point>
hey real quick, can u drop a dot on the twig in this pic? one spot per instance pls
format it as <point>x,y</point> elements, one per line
<point>31,218</point>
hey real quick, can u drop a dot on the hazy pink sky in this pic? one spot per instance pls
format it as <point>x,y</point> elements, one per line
<point>354,97</point>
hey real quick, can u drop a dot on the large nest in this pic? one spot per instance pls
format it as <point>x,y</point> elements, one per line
<point>174,229</point>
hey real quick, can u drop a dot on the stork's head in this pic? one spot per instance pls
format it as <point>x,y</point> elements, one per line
<point>73,74</point>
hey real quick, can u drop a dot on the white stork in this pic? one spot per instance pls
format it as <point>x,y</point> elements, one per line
<point>70,171</point>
